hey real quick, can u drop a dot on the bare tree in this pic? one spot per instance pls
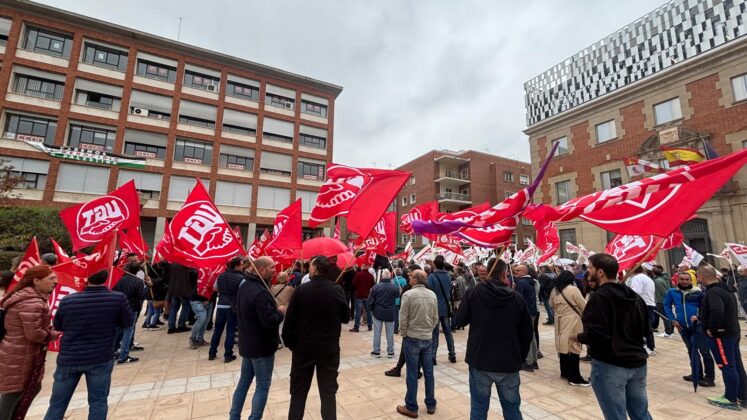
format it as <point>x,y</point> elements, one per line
<point>9,183</point>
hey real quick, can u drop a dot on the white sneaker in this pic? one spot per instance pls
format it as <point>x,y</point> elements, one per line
<point>664,335</point>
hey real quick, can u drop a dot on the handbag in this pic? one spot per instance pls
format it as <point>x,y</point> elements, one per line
<point>570,304</point>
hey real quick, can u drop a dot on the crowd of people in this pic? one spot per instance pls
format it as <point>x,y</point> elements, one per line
<point>614,317</point>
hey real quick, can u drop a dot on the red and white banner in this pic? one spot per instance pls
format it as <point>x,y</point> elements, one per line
<point>257,249</point>
<point>652,206</point>
<point>90,222</point>
<point>206,277</point>
<point>30,259</point>
<point>425,211</point>
<point>362,194</point>
<point>572,249</point>
<point>131,241</point>
<point>424,254</point>
<point>101,258</point>
<point>383,237</point>
<point>286,231</point>
<point>692,255</point>
<point>491,236</point>
<point>548,240</point>
<point>66,285</point>
<point>632,249</point>
<point>449,243</point>
<point>739,251</point>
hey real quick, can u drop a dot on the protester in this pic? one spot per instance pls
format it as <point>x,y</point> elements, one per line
<point>661,286</point>
<point>347,285</point>
<point>155,295</point>
<point>718,313</point>
<point>418,317</point>
<point>294,279</point>
<point>181,284</point>
<point>381,300</point>
<point>458,286</point>
<point>23,349</point>
<point>401,283</point>
<point>312,332</point>
<point>547,283</point>
<point>439,282</point>
<point>615,322</point>
<point>482,273</point>
<point>5,278</point>
<point>742,286</point>
<point>227,287</point>
<point>134,290</point>
<point>495,350</point>
<point>200,307</point>
<point>643,285</point>
<point>258,317</point>
<point>397,369</point>
<point>282,291</point>
<point>525,288</point>
<point>49,259</point>
<point>681,305</point>
<point>568,304</point>
<point>363,282</point>
<point>88,321</point>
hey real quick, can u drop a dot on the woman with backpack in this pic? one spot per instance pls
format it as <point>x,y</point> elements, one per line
<point>26,331</point>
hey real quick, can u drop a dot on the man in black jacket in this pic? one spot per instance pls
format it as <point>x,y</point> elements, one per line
<point>312,331</point>
<point>134,289</point>
<point>547,283</point>
<point>495,350</point>
<point>181,285</point>
<point>615,323</point>
<point>227,286</point>
<point>718,313</point>
<point>259,317</point>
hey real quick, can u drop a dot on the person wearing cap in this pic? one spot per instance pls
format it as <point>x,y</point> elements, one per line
<point>28,331</point>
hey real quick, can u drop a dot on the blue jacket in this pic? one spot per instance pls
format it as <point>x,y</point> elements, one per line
<point>89,322</point>
<point>443,292</point>
<point>228,287</point>
<point>686,304</point>
<point>525,287</point>
<point>382,299</point>
<point>400,282</point>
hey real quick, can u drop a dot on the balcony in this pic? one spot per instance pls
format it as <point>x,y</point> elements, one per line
<point>453,178</point>
<point>450,197</point>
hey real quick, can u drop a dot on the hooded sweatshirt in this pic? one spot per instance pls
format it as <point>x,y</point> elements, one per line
<point>500,327</point>
<point>615,323</point>
<point>718,311</point>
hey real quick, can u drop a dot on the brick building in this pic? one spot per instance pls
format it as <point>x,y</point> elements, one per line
<point>676,77</point>
<point>459,180</point>
<point>258,136</point>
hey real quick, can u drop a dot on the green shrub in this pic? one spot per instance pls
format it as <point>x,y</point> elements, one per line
<point>21,224</point>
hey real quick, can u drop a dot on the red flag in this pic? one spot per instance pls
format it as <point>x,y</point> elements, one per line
<point>383,237</point>
<point>90,222</point>
<point>30,259</point>
<point>131,241</point>
<point>548,240</point>
<point>632,249</point>
<point>237,234</point>
<point>652,206</point>
<point>66,285</point>
<point>199,234</point>
<point>286,231</point>
<point>164,247</point>
<point>490,236</point>
<point>363,194</point>
<point>61,254</point>
<point>100,258</point>
<point>258,246</point>
<point>448,242</point>
<point>206,277</point>
<point>426,211</point>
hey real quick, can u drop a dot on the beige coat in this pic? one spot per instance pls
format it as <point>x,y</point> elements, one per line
<point>567,321</point>
<point>418,313</point>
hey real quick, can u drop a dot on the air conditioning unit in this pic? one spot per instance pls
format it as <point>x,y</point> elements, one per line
<point>140,111</point>
<point>212,88</point>
<point>288,105</point>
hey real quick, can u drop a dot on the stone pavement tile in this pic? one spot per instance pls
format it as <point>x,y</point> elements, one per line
<point>207,408</point>
<point>378,392</point>
<point>362,411</point>
<point>173,407</point>
<point>142,408</point>
<point>690,407</point>
<point>351,397</point>
<point>216,394</point>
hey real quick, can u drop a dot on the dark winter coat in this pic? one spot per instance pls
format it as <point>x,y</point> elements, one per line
<point>316,310</point>
<point>382,300</point>
<point>258,319</point>
<point>719,311</point>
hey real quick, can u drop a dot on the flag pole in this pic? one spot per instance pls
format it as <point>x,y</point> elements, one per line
<point>652,252</point>
<point>498,253</point>
<point>347,265</point>
<point>261,280</point>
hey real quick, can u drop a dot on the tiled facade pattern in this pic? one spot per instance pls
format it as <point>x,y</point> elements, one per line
<point>183,102</point>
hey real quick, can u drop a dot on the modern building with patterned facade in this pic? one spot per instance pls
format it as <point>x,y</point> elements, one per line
<point>676,77</point>
<point>90,105</point>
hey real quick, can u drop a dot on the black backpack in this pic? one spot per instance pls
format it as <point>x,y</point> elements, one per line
<point>456,294</point>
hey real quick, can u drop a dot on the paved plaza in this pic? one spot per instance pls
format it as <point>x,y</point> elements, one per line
<point>173,382</point>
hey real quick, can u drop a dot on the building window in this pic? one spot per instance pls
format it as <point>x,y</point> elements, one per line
<point>611,179</point>
<point>508,176</point>
<point>606,131</point>
<point>29,128</point>
<point>279,101</point>
<point>38,87</point>
<point>197,122</point>
<point>31,173</point>
<point>277,137</point>
<point>239,130</point>
<point>412,198</point>
<point>739,85</point>
<point>276,163</point>
<point>101,56</point>
<point>201,81</point>
<point>744,144</point>
<point>308,200</point>
<point>312,108</point>
<point>507,194</point>
<point>241,163</point>
<point>147,184</point>
<point>526,222</point>
<point>667,111</point>
<point>562,146</point>
<point>190,151</point>
<point>312,141</point>
<point>4,30</point>
<point>145,150</point>
<point>272,198</point>
<point>563,190</point>
<point>238,90</point>
<point>82,179</point>
<point>90,138</point>
<point>97,100</point>
<point>404,201</point>
<point>47,42</point>
<point>566,235</point>
<point>157,71</point>
<point>233,194</point>
<point>524,179</point>
<point>412,179</point>
<point>309,170</point>
<point>514,239</point>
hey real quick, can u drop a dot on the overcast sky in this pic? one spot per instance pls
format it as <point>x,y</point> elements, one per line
<point>416,75</point>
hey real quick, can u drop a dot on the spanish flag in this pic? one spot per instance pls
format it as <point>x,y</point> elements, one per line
<point>681,156</point>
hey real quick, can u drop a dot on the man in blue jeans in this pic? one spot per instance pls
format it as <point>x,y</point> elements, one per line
<point>439,281</point>
<point>615,321</point>
<point>89,321</point>
<point>418,316</point>
<point>227,287</point>
<point>181,284</point>
<point>495,350</point>
<point>259,319</point>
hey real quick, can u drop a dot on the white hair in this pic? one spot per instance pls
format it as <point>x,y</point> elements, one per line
<point>385,274</point>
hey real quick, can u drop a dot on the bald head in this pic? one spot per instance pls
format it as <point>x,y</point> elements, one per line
<point>265,267</point>
<point>418,277</point>
<point>707,274</point>
<point>521,270</point>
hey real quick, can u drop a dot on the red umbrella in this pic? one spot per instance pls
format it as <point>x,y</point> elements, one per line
<point>321,246</point>
<point>345,259</point>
